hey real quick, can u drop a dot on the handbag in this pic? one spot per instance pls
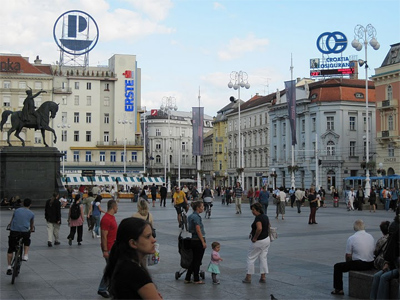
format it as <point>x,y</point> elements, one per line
<point>379,261</point>
<point>273,234</point>
<point>154,258</point>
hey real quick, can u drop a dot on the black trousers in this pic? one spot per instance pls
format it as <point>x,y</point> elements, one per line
<point>72,233</point>
<point>340,268</point>
<point>163,199</point>
<point>198,253</point>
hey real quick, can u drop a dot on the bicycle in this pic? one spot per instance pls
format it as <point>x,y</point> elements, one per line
<point>183,224</point>
<point>17,259</point>
<point>207,209</point>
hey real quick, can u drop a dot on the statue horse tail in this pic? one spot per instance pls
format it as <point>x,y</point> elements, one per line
<point>4,117</point>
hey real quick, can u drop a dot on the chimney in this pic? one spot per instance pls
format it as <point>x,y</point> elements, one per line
<point>37,60</point>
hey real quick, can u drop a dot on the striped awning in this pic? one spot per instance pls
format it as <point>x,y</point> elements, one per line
<point>106,180</point>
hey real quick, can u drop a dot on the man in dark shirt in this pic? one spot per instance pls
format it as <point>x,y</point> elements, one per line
<point>163,194</point>
<point>153,191</point>
<point>238,195</point>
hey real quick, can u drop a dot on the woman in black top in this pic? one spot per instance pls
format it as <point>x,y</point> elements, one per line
<point>312,198</point>
<point>260,243</point>
<point>126,271</point>
<point>372,200</point>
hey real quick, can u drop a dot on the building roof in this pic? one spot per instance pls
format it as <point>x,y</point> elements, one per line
<point>393,56</point>
<point>9,63</point>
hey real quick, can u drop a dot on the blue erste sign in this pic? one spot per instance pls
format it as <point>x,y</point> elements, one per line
<point>129,90</point>
<point>332,42</point>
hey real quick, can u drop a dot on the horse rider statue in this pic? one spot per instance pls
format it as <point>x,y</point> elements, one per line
<point>29,107</point>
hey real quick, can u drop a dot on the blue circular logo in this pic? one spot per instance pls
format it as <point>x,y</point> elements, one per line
<point>332,42</point>
<point>72,35</point>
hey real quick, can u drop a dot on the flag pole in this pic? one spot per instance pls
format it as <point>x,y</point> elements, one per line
<point>293,181</point>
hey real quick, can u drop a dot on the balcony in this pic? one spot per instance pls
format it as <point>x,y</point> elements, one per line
<point>387,134</point>
<point>219,139</point>
<point>62,90</point>
<point>387,104</point>
<point>138,143</point>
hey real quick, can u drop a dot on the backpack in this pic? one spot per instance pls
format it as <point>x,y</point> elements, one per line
<point>75,212</point>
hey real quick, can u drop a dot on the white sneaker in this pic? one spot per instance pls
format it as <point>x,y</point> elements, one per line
<point>98,236</point>
<point>25,258</point>
<point>93,234</point>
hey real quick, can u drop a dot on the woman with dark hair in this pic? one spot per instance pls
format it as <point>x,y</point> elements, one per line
<point>260,243</point>
<point>75,220</point>
<point>126,271</point>
<point>95,211</point>
<point>372,200</point>
<point>198,242</point>
<point>312,198</point>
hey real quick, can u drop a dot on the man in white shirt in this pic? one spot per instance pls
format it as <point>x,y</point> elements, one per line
<point>359,256</point>
<point>351,197</point>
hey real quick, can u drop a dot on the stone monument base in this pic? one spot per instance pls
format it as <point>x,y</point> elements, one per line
<point>30,172</point>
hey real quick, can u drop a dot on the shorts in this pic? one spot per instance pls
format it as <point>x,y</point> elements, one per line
<point>14,237</point>
<point>179,206</point>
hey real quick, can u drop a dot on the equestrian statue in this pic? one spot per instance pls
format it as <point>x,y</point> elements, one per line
<point>31,118</point>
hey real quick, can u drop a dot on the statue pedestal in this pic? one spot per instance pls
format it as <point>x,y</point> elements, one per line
<point>30,172</point>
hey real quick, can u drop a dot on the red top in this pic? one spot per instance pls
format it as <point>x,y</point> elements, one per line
<point>109,224</point>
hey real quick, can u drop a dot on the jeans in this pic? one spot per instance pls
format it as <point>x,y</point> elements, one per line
<point>97,225</point>
<point>298,204</point>
<point>387,203</point>
<point>103,286</point>
<point>265,207</point>
<point>198,253</point>
<point>381,284</point>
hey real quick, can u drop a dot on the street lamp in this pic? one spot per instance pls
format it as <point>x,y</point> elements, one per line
<point>364,34</point>
<point>168,104</point>
<point>63,127</point>
<point>144,138</point>
<point>273,178</point>
<point>239,81</point>
<point>124,122</point>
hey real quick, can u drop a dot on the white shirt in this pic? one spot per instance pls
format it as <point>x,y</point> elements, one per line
<point>282,196</point>
<point>361,246</point>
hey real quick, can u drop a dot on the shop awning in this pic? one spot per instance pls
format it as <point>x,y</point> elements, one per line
<point>109,180</point>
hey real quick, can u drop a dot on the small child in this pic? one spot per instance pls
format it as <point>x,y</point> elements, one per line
<point>213,266</point>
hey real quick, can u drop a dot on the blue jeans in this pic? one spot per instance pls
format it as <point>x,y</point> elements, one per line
<point>381,284</point>
<point>103,286</point>
<point>97,225</point>
<point>265,207</point>
<point>387,203</point>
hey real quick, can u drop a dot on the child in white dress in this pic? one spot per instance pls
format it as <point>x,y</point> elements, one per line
<point>213,266</point>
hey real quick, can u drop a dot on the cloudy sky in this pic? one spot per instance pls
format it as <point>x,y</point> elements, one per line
<point>184,45</point>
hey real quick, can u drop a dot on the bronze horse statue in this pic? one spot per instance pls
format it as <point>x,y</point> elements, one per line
<point>17,121</point>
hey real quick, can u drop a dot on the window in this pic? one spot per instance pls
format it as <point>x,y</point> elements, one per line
<point>389,92</point>
<point>134,156</point>
<point>352,123</point>
<point>76,117</point>
<point>314,124</point>
<point>64,117</point>
<point>391,149</point>
<point>352,148</point>
<point>183,132</point>
<point>102,156</point>
<point>330,125</point>
<point>22,84</point>
<point>158,132</point>
<point>158,146</point>
<point>88,156</point>
<point>64,101</point>
<point>76,156</point>
<point>76,100</point>
<point>7,84</point>
<point>390,123</point>
<point>106,136</point>
<point>330,148</point>
<point>274,130</point>
<point>6,101</point>
<point>64,157</point>
<point>77,85</point>
<point>303,125</point>
<point>76,136</point>
<point>38,85</point>
<point>38,137</point>
<point>158,159</point>
<point>122,156</point>
<point>88,100</point>
<point>88,85</point>
<point>275,152</point>
<point>63,136</point>
<point>283,129</point>
<point>106,86</point>
<point>106,118</point>
<point>88,117</point>
<point>88,136</point>
<point>113,156</point>
<point>183,146</point>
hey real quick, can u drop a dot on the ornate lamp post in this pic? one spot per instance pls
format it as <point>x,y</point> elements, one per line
<point>168,104</point>
<point>239,81</point>
<point>63,127</point>
<point>124,122</point>
<point>364,34</point>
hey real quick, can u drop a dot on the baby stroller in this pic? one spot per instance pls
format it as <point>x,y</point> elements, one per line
<point>186,253</point>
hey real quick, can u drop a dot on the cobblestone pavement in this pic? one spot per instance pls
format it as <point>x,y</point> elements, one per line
<point>300,260</point>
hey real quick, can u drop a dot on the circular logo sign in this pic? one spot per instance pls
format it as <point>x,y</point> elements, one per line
<point>76,32</point>
<point>332,42</point>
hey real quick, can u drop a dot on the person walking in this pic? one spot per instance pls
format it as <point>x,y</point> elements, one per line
<point>360,198</point>
<point>109,228</point>
<point>143,212</point>
<point>351,198</point>
<point>87,202</point>
<point>126,272</point>
<point>372,200</point>
<point>75,220</point>
<point>163,195</point>
<point>359,256</point>
<point>238,195</point>
<point>250,195</point>
<point>95,212</point>
<point>52,214</point>
<point>299,196</point>
<point>153,191</point>
<point>259,245</point>
<point>263,199</point>
<point>198,242</point>
<point>312,198</point>
<point>213,266</point>
<point>281,204</point>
